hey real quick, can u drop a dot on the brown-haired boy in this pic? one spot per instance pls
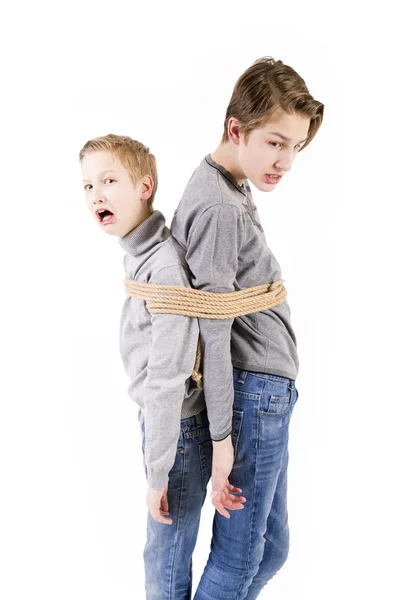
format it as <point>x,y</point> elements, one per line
<point>250,363</point>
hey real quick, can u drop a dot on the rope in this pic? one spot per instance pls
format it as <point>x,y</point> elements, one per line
<point>179,300</point>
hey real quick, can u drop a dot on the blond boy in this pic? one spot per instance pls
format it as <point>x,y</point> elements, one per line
<point>158,351</point>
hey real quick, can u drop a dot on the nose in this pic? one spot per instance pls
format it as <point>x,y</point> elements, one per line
<point>98,198</point>
<point>285,162</point>
<point>284,165</point>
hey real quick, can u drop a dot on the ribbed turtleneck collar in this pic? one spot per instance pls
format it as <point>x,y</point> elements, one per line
<point>147,234</point>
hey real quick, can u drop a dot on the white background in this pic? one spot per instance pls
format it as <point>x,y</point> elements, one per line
<point>72,484</point>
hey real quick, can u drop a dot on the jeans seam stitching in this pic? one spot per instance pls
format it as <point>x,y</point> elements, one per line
<point>172,563</point>
<point>244,576</point>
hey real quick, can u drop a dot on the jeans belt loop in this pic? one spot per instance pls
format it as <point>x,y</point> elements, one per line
<point>242,376</point>
<point>199,420</point>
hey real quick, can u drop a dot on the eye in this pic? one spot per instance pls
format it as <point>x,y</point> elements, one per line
<point>280,144</point>
<point>86,186</point>
<point>109,179</point>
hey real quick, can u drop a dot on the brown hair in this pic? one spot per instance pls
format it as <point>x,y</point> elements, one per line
<point>265,88</point>
<point>132,155</point>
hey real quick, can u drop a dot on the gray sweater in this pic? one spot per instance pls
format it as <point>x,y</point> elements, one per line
<point>158,351</point>
<point>217,226</point>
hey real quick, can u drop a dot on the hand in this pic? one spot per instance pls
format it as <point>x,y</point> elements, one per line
<point>157,503</point>
<point>222,491</point>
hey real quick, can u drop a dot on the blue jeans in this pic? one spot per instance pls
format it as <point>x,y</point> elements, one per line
<point>250,547</point>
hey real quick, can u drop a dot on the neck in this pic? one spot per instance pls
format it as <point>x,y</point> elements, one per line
<point>140,217</point>
<point>226,155</point>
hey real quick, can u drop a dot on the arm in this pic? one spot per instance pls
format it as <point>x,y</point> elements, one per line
<point>170,364</point>
<point>213,247</point>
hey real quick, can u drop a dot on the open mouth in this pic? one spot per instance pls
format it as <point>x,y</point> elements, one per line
<point>105,216</point>
<point>272,178</point>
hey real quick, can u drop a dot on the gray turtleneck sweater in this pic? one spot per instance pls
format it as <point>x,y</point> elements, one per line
<point>158,351</point>
<point>218,228</point>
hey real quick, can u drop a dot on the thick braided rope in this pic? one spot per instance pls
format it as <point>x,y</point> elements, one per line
<point>179,300</point>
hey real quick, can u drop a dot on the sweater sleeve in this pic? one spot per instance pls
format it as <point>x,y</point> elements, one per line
<point>170,364</point>
<point>212,255</point>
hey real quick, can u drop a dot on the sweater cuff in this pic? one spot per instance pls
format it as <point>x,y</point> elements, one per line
<point>157,480</point>
<point>222,436</point>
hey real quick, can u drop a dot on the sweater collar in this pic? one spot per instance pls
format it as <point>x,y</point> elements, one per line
<point>147,234</point>
<point>243,189</point>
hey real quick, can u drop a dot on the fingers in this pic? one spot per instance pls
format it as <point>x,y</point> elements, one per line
<point>232,502</point>
<point>234,489</point>
<point>219,504</point>
<point>228,490</point>
<point>158,505</point>
<point>235,504</point>
<point>158,516</point>
<point>232,498</point>
<point>223,499</point>
<point>164,503</point>
<point>220,508</point>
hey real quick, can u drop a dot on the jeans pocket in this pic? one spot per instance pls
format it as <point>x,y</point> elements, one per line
<point>237,418</point>
<point>205,458</point>
<point>279,405</point>
<point>177,474</point>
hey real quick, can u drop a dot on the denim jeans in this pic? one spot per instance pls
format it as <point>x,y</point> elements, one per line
<point>168,550</point>
<point>250,547</point>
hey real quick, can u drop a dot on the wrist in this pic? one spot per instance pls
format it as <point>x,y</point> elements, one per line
<point>218,444</point>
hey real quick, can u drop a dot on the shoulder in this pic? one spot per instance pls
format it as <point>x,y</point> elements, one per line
<point>219,219</point>
<point>169,266</point>
<point>175,274</point>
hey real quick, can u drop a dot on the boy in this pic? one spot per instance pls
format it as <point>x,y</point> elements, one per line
<point>158,351</point>
<point>250,363</point>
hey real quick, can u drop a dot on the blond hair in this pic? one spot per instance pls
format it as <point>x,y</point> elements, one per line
<point>266,88</point>
<point>132,155</point>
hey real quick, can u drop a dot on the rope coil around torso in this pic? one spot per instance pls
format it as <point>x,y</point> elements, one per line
<point>179,300</point>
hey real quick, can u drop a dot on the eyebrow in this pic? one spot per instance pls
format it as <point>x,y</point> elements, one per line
<point>101,174</point>
<point>286,139</point>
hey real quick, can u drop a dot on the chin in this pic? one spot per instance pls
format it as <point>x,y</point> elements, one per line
<point>263,186</point>
<point>109,230</point>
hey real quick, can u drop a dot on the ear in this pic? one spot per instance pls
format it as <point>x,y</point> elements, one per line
<point>146,187</point>
<point>234,133</point>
